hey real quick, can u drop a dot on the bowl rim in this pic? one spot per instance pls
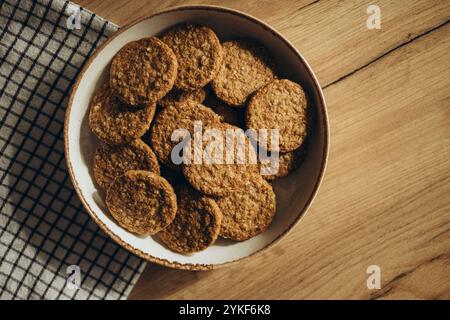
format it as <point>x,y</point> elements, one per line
<point>196,266</point>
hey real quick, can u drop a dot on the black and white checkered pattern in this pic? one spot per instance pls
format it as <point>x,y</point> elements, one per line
<point>43,227</point>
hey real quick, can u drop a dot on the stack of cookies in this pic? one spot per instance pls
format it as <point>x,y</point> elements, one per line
<point>187,76</point>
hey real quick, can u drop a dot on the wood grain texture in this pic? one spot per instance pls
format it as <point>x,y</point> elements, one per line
<point>385,199</point>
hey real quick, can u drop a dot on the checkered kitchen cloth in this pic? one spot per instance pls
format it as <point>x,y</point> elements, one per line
<point>43,227</point>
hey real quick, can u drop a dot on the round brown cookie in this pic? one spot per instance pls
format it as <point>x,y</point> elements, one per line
<point>287,162</point>
<point>142,202</point>
<point>196,225</point>
<point>249,210</point>
<point>143,71</point>
<point>114,122</point>
<point>113,161</point>
<point>176,96</point>
<point>172,118</point>
<point>220,169</point>
<point>247,66</point>
<point>279,105</point>
<point>198,52</point>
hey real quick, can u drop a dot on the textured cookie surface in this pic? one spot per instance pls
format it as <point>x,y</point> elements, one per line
<point>143,71</point>
<point>176,96</point>
<point>226,157</point>
<point>287,162</point>
<point>113,161</point>
<point>279,105</point>
<point>142,202</point>
<point>172,118</point>
<point>114,122</point>
<point>249,210</point>
<point>198,52</point>
<point>196,225</point>
<point>246,67</point>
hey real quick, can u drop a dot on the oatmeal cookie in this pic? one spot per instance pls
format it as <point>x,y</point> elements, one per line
<point>142,202</point>
<point>287,162</point>
<point>249,210</point>
<point>172,118</point>
<point>114,122</point>
<point>196,225</point>
<point>113,161</point>
<point>246,67</point>
<point>198,52</point>
<point>143,71</point>
<point>279,105</point>
<point>222,165</point>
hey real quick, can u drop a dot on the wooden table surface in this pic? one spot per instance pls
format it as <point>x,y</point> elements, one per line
<point>385,199</point>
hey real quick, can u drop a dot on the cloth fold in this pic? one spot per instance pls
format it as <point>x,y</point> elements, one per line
<point>49,246</point>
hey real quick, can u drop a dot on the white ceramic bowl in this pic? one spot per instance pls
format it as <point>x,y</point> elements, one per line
<point>294,192</point>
